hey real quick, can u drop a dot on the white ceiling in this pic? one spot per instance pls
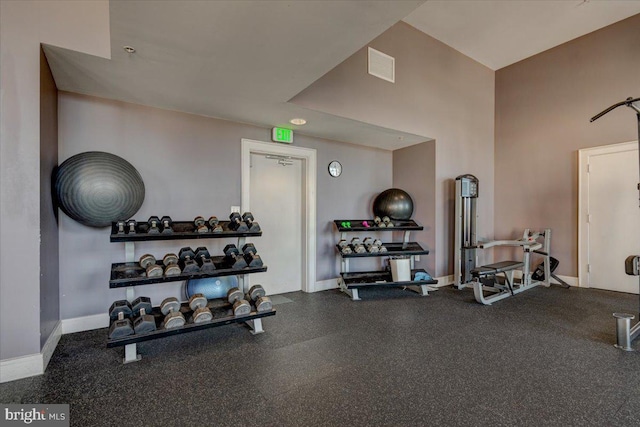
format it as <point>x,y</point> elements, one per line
<point>244,60</point>
<point>498,33</point>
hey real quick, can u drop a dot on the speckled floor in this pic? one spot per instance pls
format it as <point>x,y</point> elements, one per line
<point>544,357</point>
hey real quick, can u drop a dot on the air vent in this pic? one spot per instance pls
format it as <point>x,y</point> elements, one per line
<point>382,65</point>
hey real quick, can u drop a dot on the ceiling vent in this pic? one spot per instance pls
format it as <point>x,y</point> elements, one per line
<point>382,65</point>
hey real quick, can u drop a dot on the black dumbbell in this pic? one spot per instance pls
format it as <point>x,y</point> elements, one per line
<point>370,246</point>
<point>203,258</point>
<point>241,306</point>
<point>171,267</point>
<point>201,313</point>
<point>167,225</point>
<point>215,224</point>
<point>200,225</point>
<point>131,225</point>
<point>154,225</point>
<point>148,262</point>
<point>144,321</point>
<point>170,307</point>
<point>237,224</point>
<point>251,256</point>
<point>120,227</point>
<point>378,222</point>
<point>248,219</point>
<point>257,294</point>
<point>344,247</point>
<point>357,246</point>
<point>187,261</point>
<point>233,257</point>
<point>120,315</point>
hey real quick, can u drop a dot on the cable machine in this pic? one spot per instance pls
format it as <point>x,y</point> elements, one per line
<point>484,279</point>
<point>625,334</point>
<point>465,229</point>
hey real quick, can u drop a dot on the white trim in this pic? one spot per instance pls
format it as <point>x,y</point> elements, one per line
<point>85,323</point>
<point>583,199</point>
<point>444,280</point>
<point>21,367</point>
<point>571,281</point>
<point>31,365</point>
<point>308,155</point>
<point>50,345</point>
<point>325,285</point>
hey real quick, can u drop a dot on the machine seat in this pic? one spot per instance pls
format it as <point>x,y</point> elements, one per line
<point>498,267</point>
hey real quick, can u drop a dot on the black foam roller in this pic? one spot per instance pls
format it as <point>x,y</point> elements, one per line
<point>97,188</point>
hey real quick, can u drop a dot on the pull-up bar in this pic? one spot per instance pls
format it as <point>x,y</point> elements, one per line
<point>629,102</point>
<point>625,333</point>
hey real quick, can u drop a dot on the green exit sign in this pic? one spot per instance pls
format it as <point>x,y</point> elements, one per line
<point>282,135</point>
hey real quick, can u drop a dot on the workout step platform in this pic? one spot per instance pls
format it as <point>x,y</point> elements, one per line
<point>381,278</point>
<point>222,315</point>
<point>181,230</point>
<point>356,225</point>
<point>496,268</point>
<point>131,274</point>
<point>393,249</point>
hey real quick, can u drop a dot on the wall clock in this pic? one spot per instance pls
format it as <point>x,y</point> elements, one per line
<point>335,168</point>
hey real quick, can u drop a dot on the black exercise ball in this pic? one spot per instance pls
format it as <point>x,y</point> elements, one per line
<point>394,203</point>
<point>96,188</point>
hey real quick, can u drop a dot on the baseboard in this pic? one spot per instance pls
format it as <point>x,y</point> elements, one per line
<point>325,285</point>
<point>571,281</point>
<point>33,364</point>
<point>85,323</point>
<point>444,280</point>
<point>21,367</point>
<point>50,345</point>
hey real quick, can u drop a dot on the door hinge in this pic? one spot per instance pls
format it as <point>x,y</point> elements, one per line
<point>588,218</point>
<point>588,167</point>
<point>588,268</point>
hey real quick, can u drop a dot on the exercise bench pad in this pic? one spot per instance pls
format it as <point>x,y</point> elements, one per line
<point>498,267</point>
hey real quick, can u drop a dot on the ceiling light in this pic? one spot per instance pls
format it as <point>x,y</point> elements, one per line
<point>297,121</point>
<point>129,49</point>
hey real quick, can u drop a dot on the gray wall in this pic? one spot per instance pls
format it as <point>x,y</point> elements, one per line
<point>82,26</point>
<point>543,107</point>
<point>439,93</point>
<point>414,171</point>
<point>49,274</point>
<point>191,166</point>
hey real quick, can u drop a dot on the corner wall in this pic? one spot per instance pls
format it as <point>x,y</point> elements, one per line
<point>543,107</point>
<point>439,93</point>
<point>414,170</point>
<point>49,263</point>
<point>24,25</point>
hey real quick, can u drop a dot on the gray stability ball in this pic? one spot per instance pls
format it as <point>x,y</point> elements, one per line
<point>394,203</point>
<point>97,188</point>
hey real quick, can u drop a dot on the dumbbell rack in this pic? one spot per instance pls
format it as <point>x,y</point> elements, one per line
<point>129,274</point>
<point>351,282</point>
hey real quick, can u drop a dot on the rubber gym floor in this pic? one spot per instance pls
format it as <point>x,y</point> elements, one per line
<point>543,357</point>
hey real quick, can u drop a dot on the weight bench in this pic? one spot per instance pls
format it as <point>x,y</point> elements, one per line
<point>492,270</point>
<point>529,244</point>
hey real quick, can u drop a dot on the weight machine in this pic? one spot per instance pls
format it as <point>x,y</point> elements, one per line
<point>625,334</point>
<point>485,278</point>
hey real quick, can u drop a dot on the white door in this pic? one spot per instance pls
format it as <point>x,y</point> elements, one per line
<point>276,203</point>
<point>613,218</point>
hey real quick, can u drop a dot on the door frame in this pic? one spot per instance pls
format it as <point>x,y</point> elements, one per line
<point>583,201</point>
<point>309,172</point>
